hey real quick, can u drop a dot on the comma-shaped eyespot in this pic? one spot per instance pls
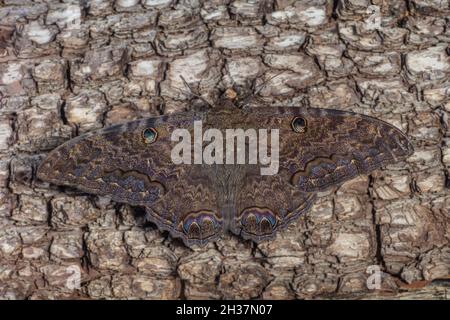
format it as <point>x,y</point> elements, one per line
<point>298,124</point>
<point>149,135</point>
<point>201,225</point>
<point>258,221</point>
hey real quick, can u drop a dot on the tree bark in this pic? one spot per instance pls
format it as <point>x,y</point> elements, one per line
<point>72,67</point>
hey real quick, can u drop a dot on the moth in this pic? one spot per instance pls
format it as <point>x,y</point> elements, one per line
<point>318,149</point>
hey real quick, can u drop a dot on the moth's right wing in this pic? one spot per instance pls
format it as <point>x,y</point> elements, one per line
<point>266,205</point>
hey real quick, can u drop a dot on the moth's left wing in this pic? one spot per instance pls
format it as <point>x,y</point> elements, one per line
<point>131,163</point>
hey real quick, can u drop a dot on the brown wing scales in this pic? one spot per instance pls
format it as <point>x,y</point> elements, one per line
<point>318,149</point>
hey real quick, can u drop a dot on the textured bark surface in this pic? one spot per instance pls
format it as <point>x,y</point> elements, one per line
<point>73,66</point>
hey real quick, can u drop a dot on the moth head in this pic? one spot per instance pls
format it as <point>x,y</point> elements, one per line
<point>298,124</point>
<point>149,135</point>
<point>231,94</point>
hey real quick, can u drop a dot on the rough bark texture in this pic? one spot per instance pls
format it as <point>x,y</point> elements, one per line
<point>73,66</point>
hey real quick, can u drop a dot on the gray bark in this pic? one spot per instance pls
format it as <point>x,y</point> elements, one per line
<point>74,66</point>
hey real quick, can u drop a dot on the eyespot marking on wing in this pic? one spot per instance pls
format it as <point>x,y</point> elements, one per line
<point>258,221</point>
<point>299,124</point>
<point>149,135</point>
<point>200,225</point>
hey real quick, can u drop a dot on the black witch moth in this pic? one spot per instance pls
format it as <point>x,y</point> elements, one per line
<point>132,164</point>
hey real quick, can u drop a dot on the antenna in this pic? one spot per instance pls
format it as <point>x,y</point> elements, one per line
<point>259,88</point>
<point>191,91</point>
